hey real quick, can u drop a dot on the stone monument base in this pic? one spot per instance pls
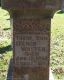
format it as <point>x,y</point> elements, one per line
<point>10,72</point>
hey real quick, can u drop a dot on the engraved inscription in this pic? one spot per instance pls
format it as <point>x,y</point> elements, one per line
<point>31,45</point>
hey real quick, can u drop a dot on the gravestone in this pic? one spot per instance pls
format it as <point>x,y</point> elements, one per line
<point>62,6</point>
<point>31,22</point>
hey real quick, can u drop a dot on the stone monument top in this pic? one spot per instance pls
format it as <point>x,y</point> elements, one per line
<point>31,4</point>
<point>32,7</point>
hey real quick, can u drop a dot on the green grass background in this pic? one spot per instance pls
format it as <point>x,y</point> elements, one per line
<point>57,45</point>
<point>5,43</point>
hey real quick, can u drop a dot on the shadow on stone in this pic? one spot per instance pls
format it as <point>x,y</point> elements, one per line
<point>10,70</point>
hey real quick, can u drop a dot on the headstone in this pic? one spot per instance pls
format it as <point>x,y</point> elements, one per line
<point>62,7</point>
<point>32,48</point>
<point>31,21</point>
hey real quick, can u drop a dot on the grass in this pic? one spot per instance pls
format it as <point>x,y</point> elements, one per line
<point>57,45</point>
<point>5,43</point>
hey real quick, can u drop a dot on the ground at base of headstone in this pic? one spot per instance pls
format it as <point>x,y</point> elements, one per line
<point>10,70</point>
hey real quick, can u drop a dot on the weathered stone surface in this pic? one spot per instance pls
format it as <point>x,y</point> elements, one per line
<point>31,42</point>
<point>31,48</point>
<point>62,6</point>
<point>30,4</point>
<point>10,72</point>
<point>31,21</point>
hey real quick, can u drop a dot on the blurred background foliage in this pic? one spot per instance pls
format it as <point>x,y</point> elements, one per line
<point>57,45</point>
